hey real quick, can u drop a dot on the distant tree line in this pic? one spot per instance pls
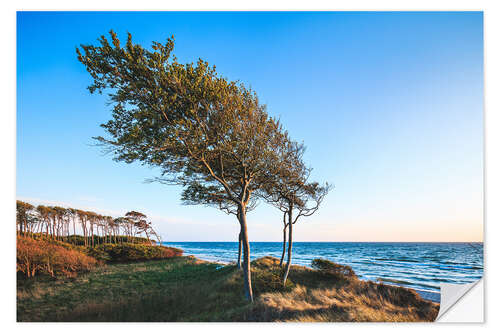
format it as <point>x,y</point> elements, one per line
<point>58,223</point>
<point>205,133</point>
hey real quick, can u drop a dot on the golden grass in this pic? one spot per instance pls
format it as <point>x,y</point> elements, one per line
<point>188,289</point>
<point>348,299</point>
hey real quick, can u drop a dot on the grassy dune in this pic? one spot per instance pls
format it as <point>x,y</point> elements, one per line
<point>187,289</point>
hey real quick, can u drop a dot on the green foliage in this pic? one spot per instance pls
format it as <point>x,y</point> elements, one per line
<point>206,133</point>
<point>127,252</point>
<point>80,240</point>
<point>330,268</point>
<point>62,243</point>
<point>264,281</point>
<point>24,215</point>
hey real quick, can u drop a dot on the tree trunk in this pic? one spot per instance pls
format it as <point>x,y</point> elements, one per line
<point>246,256</point>
<point>85,235</point>
<point>284,246</point>
<point>290,242</point>
<point>238,264</point>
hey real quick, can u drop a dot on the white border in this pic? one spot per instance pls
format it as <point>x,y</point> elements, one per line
<point>7,133</point>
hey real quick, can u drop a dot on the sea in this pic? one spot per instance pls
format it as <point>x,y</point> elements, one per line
<point>420,266</point>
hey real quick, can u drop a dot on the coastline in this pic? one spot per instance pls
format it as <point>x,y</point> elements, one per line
<point>420,266</point>
<point>427,295</point>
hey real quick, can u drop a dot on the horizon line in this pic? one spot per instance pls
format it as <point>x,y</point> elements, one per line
<point>327,242</point>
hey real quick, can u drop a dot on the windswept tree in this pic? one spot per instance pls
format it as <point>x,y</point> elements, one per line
<point>23,212</point>
<point>60,217</point>
<point>139,223</point>
<point>121,223</point>
<point>71,213</point>
<point>292,193</point>
<point>45,215</point>
<point>25,217</point>
<point>55,223</point>
<point>199,128</point>
<point>83,218</point>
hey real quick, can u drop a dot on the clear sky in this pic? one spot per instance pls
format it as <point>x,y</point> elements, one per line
<point>389,105</point>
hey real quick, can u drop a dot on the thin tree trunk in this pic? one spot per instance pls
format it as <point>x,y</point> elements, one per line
<point>246,256</point>
<point>240,245</point>
<point>84,235</point>
<point>290,242</point>
<point>284,246</point>
<point>54,228</point>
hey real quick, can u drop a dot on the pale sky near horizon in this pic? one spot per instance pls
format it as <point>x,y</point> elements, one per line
<point>389,105</point>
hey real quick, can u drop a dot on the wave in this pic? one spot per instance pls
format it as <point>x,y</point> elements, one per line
<point>416,265</point>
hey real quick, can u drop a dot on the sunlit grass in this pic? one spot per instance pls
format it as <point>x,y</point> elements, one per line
<point>186,289</point>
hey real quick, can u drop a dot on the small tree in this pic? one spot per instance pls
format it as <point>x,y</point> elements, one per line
<point>23,212</point>
<point>45,216</point>
<point>140,223</point>
<point>291,193</point>
<point>196,126</point>
<point>83,218</point>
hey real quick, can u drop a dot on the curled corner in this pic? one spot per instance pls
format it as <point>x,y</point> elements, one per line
<point>451,293</point>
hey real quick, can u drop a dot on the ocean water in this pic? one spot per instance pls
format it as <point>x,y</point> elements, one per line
<point>420,266</point>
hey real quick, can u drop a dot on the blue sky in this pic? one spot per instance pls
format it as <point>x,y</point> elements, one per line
<point>389,105</point>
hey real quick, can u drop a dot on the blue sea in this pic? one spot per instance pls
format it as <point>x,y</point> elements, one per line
<point>420,266</point>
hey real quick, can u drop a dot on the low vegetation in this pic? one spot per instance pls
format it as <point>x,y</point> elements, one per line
<point>80,240</point>
<point>127,252</point>
<point>330,268</point>
<point>187,289</point>
<point>38,254</point>
<point>45,257</point>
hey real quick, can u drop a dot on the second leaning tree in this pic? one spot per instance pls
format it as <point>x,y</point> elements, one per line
<point>205,133</point>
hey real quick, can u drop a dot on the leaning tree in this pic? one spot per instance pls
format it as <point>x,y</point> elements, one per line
<point>139,223</point>
<point>23,210</point>
<point>292,193</point>
<point>186,119</point>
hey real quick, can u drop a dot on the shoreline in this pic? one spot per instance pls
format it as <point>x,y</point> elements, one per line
<point>420,266</point>
<point>432,296</point>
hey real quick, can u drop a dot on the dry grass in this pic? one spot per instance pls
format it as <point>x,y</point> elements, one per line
<point>187,289</point>
<point>340,299</point>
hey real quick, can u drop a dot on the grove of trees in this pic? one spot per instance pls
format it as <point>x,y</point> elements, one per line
<point>59,223</point>
<point>208,134</point>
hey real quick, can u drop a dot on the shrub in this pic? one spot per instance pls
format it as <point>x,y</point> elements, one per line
<point>270,281</point>
<point>331,268</point>
<point>131,252</point>
<point>80,240</point>
<point>267,276</point>
<point>43,257</point>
